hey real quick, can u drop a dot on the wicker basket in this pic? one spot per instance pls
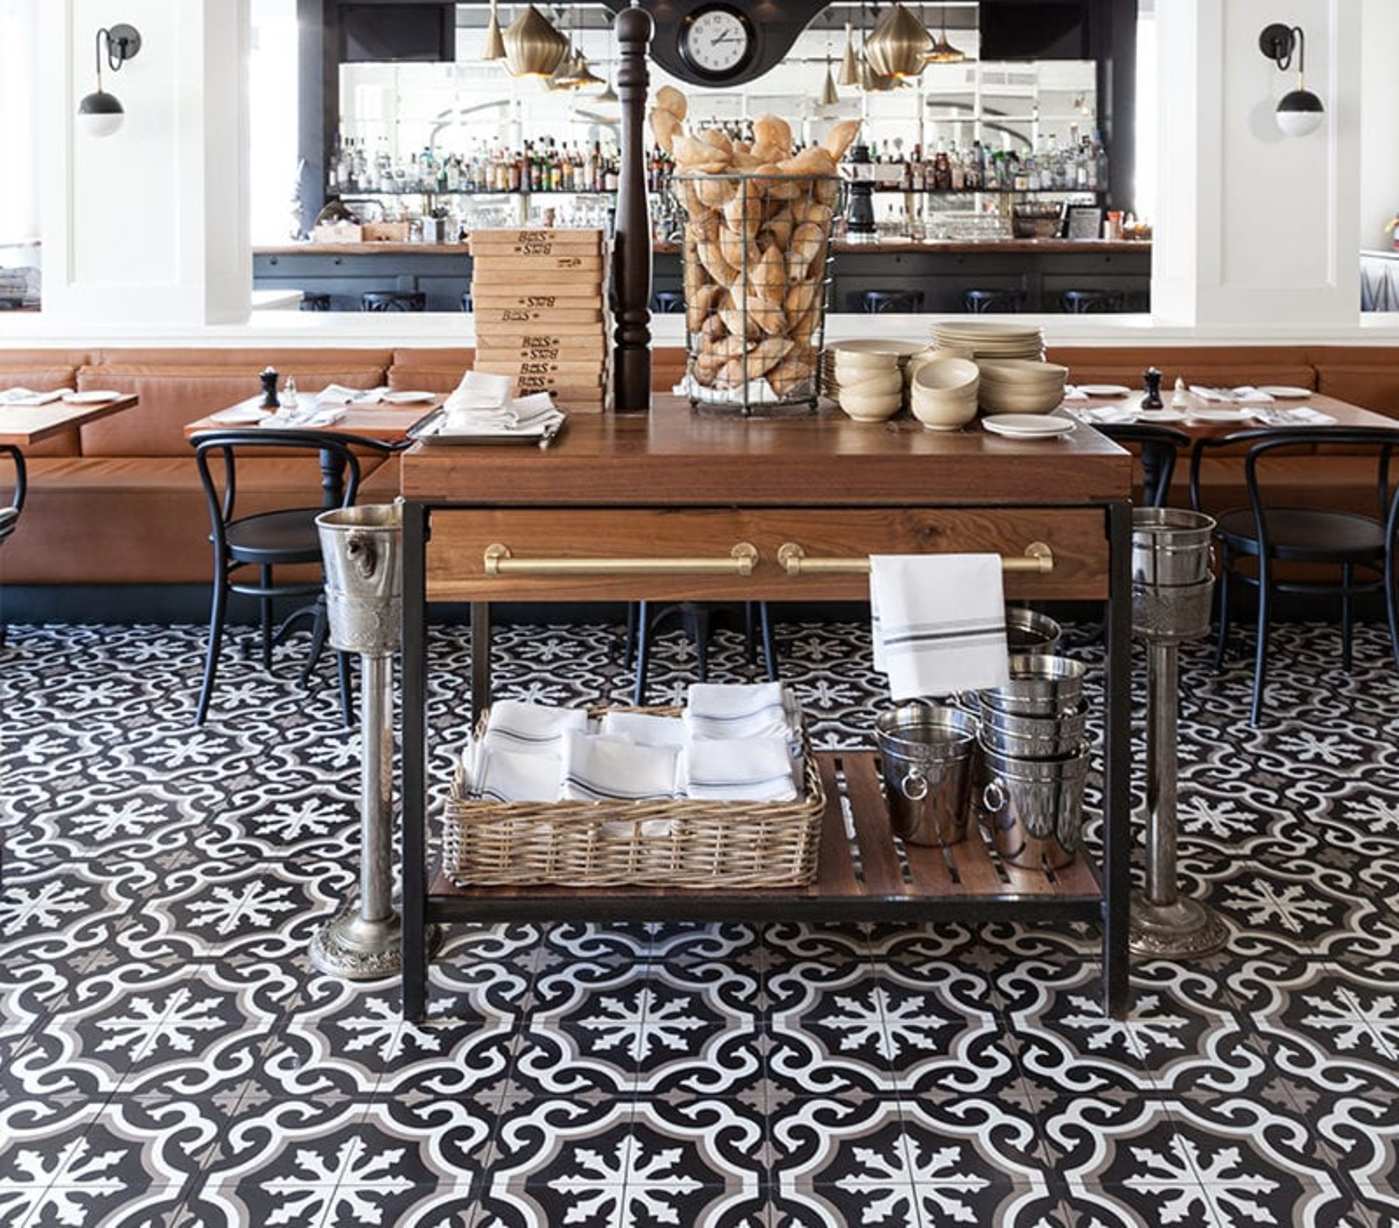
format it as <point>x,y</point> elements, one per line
<point>704,845</point>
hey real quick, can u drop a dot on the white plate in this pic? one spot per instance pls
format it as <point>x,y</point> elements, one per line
<point>1028,426</point>
<point>1161,415</point>
<point>1285,392</point>
<point>96,397</point>
<point>239,415</point>
<point>1215,413</point>
<point>1104,390</point>
<point>409,398</point>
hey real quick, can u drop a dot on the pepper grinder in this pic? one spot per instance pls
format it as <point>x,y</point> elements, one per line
<point>1151,377</point>
<point>269,388</point>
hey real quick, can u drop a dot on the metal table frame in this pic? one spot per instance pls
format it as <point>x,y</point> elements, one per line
<point>422,907</point>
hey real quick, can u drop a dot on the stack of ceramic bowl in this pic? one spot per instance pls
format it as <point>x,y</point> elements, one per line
<point>990,339</point>
<point>1034,755</point>
<point>1021,386</point>
<point>942,393</point>
<point>868,377</point>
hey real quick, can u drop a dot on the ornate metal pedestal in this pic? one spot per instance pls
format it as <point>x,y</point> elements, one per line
<point>1166,613</point>
<point>361,548</point>
<point>1163,924</point>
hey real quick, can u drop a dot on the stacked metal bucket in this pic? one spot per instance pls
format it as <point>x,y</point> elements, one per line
<point>1172,574</point>
<point>1017,757</point>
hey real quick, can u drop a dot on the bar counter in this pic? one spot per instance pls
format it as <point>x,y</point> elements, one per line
<point>942,270</point>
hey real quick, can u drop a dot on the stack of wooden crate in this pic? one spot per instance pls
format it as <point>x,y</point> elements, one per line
<point>540,303</point>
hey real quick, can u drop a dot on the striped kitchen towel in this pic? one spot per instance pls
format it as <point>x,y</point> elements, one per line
<point>499,775</point>
<point>531,728</point>
<point>938,623</point>
<point>741,770</point>
<point>741,710</point>
<point>602,768</point>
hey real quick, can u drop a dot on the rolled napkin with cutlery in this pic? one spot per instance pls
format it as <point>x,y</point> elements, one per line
<point>601,768</point>
<point>741,770</point>
<point>938,623</point>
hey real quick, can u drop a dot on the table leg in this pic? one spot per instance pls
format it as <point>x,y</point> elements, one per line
<point>1117,756</point>
<point>332,479</point>
<point>415,868</point>
<point>480,657</point>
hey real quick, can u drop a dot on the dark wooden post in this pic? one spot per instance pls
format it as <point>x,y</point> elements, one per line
<point>631,258</point>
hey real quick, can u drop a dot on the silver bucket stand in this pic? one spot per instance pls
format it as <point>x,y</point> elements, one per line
<point>1163,923</point>
<point>361,549</point>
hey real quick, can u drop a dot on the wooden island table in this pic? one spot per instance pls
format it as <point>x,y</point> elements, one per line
<point>678,506</point>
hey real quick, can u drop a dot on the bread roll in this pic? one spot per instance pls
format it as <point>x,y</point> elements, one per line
<point>800,297</point>
<point>839,138</point>
<point>769,278</point>
<point>711,255</point>
<point>712,327</point>
<point>668,98</point>
<point>696,156</point>
<point>737,250</point>
<point>736,321</point>
<point>807,242</point>
<point>812,211</point>
<point>705,226</point>
<point>780,227</point>
<point>792,372</point>
<point>699,305</point>
<point>773,130</point>
<point>744,213</point>
<point>768,316</point>
<point>664,128</point>
<point>716,193</point>
<point>719,139</point>
<point>805,324</point>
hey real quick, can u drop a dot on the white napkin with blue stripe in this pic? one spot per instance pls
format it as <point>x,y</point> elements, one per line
<point>528,728</point>
<point>602,768</point>
<point>741,770</point>
<point>938,622</point>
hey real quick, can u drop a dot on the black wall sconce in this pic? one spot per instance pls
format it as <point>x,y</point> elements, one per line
<point>1299,111</point>
<point>100,114</point>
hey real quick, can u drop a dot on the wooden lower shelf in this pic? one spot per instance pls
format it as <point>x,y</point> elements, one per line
<point>865,874</point>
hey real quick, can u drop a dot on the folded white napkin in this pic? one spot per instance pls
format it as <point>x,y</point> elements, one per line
<point>27,396</point>
<point>338,394</point>
<point>510,776</point>
<point>527,728</point>
<point>741,710</point>
<point>303,416</point>
<point>938,623</point>
<point>601,768</point>
<point>1250,395</point>
<point>481,390</point>
<point>521,415</point>
<point>1210,394</point>
<point>746,769</point>
<point>645,729</point>
<point>1071,393</point>
<point>1296,415</point>
<point>1108,414</point>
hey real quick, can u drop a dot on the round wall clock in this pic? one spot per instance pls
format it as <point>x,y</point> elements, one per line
<point>717,42</point>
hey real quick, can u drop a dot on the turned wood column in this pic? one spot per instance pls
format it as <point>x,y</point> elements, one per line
<point>631,258</point>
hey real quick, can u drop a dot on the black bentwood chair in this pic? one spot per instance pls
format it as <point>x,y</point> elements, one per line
<point>270,539</point>
<point>9,516</point>
<point>1273,534</point>
<point>1158,447</point>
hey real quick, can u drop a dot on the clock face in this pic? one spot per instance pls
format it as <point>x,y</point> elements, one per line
<point>716,41</point>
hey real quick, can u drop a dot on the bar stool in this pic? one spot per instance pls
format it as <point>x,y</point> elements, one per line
<point>875,302</point>
<point>697,618</point>
<point>314,302</point>
<point>979,302</point>
<point>1091,302</point>
<point>668,302</point>
<point>393,300</point>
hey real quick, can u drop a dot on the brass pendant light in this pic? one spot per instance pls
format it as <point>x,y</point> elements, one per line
<point>494,46</point>
<point>943,52</point>
<point>899,45</point>
<point>872,82</point>
<point>850,63</point>
<point>829,97</point>
<point>533,47</point>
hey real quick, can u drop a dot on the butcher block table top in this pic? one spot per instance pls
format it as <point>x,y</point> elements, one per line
<point>25,425</point>
<point>677,457</point>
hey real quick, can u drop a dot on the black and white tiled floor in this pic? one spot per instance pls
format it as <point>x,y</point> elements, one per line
<point>167,1058</point>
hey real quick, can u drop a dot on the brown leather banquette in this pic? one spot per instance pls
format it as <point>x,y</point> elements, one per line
<point>120,500</point>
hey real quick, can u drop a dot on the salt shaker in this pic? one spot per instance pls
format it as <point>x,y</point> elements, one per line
<point>1179,399</point>
<point>1151,378</point>
<point>269,387</point>
<point>289,396</point>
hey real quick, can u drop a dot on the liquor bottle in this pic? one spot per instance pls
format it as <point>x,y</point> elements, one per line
<point>959,170</point>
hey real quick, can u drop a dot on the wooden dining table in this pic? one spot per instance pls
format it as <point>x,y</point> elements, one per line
<point>1344,412</point>
<point>383,423</point>
<point>22,426</point>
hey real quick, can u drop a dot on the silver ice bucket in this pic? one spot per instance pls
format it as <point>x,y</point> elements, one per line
<point>1035,807</point>
<point>928,753</point>
<point>1029,631</point>
<point>362,553</point>
<point>1171,546</point>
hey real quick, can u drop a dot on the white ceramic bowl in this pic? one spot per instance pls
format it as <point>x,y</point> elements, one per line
<point>865,408</point>
<point>946,375</point>
<point>1036,401</point>
<point>1022,371</point>
<point>943,414</point>
<point>872,383</point>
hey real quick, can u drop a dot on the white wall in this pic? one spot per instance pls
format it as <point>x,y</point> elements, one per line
<point>1379,136</point>
<point>149,224</point>
<point>1255,225</point>
<point>19,202</point>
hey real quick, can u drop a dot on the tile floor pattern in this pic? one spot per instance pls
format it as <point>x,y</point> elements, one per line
<point>167,1058</point>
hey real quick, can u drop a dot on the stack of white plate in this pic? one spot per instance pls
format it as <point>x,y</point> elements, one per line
<point>994,339</point>
<point>1019,386</point>
<point>942,394</point>
<point>867,376</point>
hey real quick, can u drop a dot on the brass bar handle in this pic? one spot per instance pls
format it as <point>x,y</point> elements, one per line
<point>740,562</point>
<point>1038,558</point>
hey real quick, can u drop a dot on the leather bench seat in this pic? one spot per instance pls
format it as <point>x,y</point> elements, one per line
<point>139,520</point>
